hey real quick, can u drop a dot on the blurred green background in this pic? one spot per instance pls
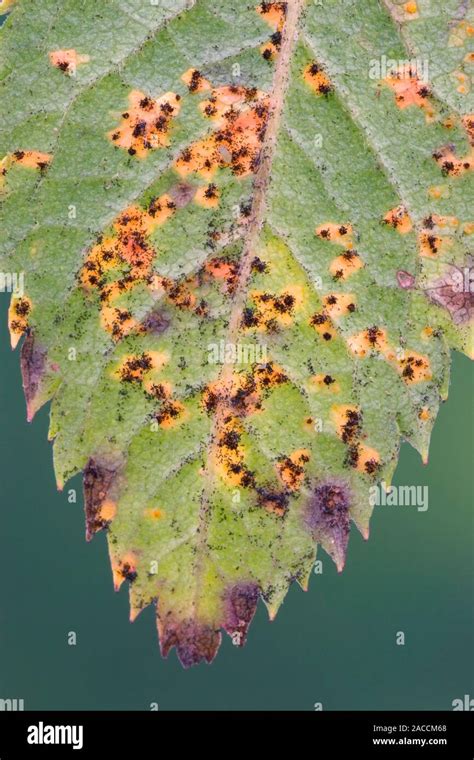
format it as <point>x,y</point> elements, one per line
<point>336,644</point>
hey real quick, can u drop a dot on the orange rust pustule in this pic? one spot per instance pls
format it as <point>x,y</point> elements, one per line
<point>409,89</point>
<point>241,116</point>
<point>340,234</point>
<point>399,219</point>
<point>317,79</point>
<point>270,311</point>
<point>323,325</point>
<point>468,124</point>
<point>452,165</point>
<point>18,316</point>
<point>247,390</point>
<point>275,15</point>
<point>345,265</point>
<point>291,469</point>
<point>224,270</point>
<point>67,61</point>
<point>146,123</point>
<point>230,455</point>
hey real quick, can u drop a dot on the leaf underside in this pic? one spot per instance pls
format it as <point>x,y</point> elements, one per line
<point>244,237</point>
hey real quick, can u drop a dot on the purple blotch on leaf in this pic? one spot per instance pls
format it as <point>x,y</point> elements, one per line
<point>195,642</point>
<point>327,517</point>
<point>241,603</point>
<point>33,364</point>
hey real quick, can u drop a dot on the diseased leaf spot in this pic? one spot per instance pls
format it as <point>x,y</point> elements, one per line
<point>399,219</point>
<point>67,60</point>
<point>146,124</point>
<point>241,116</point>
<point>340,234</point>
<point>409,89</point>
<point>291,469</point>
<point>317,79</point>
<point>327,517</point>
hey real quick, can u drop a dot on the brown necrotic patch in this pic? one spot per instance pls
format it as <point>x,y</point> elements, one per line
<point>100,507</point>
<point>240,116</point>
<point>246,392</point>
<point>146,123</point>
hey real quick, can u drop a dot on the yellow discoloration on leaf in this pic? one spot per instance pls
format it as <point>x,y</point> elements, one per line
<point>372,339</point>
<point>146,124</point>
<point>323,325</point>
<point>439,191</point>
<point>424,414</point>
<point>345,418</point>
<point>108,510</point>
<point>325,383</point>
<point>153,513</point>
<point>430,244</point>
<point>399,219</point>
<point>368,459</point>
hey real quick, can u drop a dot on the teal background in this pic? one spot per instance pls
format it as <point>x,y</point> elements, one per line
<point>334,644</point>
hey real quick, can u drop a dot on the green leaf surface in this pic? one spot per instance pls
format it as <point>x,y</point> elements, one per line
<point>241,243</point>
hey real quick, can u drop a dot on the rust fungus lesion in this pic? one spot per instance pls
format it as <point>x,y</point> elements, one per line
<point>122,260</point>
<point>291,469</point>
<point>271,312</point>
<point>339,234</point>
<point>337,305</point>
<point>323,325</point>
<point>450,163</point>
<point>28,159</point>
<point>317,79</point>
<point>68,60</point>
<point>399,219</point>
<point>240,116</point>
<point>347,264</point>
<point>18,318</point>
<point>410,88</point>
<point>146,124</point>
<point>347,421</point>
<point>195,81</point>
<point>275,16</point>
